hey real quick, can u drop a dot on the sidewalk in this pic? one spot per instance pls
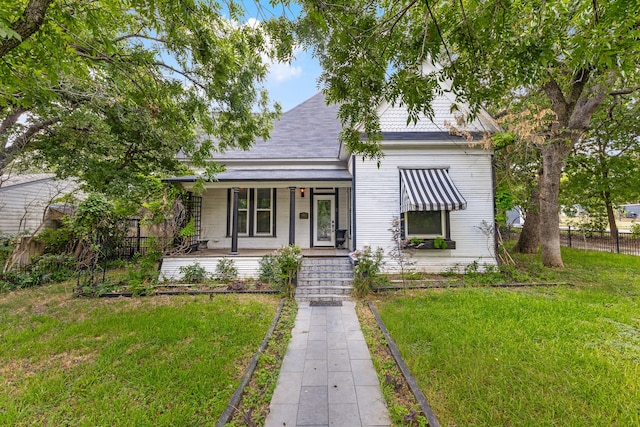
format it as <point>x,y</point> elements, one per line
<point>327,377</point>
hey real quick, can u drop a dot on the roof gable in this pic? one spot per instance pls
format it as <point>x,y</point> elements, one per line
<point>309,130</point>
<point>447,114</point>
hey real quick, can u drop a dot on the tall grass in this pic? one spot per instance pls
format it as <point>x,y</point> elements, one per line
<point>141,361</point>
<point>566,355</point>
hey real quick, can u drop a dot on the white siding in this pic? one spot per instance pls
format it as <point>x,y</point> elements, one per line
<point>247,266</point>
<point>214,220</point>
<point>22,205</point>
<point>378,202</point>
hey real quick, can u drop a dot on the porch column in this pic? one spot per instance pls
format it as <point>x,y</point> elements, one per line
<point>234,222</point>
<point>292,215</point>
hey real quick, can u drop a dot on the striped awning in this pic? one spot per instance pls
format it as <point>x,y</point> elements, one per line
<point>429,190</point>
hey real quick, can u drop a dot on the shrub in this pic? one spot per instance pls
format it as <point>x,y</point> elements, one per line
<point>226,271</point>
<point>366,270</point>
<point>281,268</point>
<point>269,272</point>
<point>289,259</point>
<point>57,240</point>
<point>142,278</point>
<point>194,273</point>
<point>54,268</point>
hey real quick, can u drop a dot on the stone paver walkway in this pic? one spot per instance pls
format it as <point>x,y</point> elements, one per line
<point>327,377</point>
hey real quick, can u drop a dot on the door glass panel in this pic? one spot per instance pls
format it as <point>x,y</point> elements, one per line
<point>324,220</point>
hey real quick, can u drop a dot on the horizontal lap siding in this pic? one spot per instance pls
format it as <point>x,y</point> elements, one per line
<point>247,266</point>
<point>214,220</point>
<point>378,201</point>
<point>22,206</point>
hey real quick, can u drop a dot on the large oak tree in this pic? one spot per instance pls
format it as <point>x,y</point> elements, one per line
<point>111,90</point>
<point>568,56</point>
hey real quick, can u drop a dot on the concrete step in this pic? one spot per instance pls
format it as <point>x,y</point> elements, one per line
<point>322,297</point>
<point>326,261</point>
<point>325,275</point>
<point>325,279</point>
<point>327,267</point>
<point>344,281</point>
<point>339,290</point>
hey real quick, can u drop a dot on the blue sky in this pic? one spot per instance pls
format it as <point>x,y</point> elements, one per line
<point>288,84</point>
<point>291,84</point>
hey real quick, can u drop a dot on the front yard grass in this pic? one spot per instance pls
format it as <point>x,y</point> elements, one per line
<point>127,361</point>
<point>564,355</point>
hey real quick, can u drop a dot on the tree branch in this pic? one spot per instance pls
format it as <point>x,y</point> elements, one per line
<point>589,103</point>
<point>21,142</point>
<point>11,119</point>
<point>139,36</point>
<point>558,101</point>
<point>626,91</point>
<point>580,79</point>
<point>182,73</point>
<point>444,43</point>
<point>26,25</point>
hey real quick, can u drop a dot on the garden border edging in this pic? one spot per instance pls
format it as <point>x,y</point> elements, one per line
<point>237,395</point>
<point>413,384</point>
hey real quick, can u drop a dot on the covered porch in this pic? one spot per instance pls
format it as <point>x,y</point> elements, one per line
<point>253,212</point>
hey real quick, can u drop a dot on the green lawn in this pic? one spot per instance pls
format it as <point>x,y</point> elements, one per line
<point>129,361</point>
<point>566,355</point>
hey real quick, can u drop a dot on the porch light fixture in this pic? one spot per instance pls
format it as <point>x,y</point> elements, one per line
<point>301,192</point>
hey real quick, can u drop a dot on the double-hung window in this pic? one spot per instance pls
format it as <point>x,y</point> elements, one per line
<point>264,212</point>
<point>243,212</point>
<point>256,211</point>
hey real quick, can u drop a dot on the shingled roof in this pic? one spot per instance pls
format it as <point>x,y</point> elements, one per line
<point>309,130</point>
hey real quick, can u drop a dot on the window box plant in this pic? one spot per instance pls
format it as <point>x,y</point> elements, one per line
<point>438,243</point>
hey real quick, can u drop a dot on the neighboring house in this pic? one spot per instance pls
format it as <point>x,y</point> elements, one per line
<point>302,186</point>
<point>24,199</point>
<point>515,217</point>
<point>630,210</point>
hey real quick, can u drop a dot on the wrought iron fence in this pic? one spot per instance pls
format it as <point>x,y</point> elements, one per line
<point>621,242</point>
<point>130,246</point>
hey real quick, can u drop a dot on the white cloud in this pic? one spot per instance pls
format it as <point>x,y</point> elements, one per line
<point>280,72</point>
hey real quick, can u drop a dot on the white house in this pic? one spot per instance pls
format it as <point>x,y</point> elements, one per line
<point>302,186</point>
<point>25,199</point>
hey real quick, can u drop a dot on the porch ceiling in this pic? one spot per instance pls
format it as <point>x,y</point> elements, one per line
<point>288,175</point>
<point>309,252</point>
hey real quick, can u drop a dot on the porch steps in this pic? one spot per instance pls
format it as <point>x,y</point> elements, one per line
<point>324,279</point>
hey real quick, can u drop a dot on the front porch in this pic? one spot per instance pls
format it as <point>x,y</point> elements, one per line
<point>247,261</point>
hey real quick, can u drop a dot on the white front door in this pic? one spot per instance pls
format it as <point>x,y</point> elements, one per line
<point>324,223</point>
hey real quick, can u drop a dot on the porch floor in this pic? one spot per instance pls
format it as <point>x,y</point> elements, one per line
<point>312,252</point>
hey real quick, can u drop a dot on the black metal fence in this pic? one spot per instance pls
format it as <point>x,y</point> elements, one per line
<point>130,246</point>
<point>621,242</point>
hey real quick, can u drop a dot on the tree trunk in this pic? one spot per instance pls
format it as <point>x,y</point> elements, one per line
<point>611,215</point>
<point>529,239</point>
<point>29,23</point>
<point>553,155</point>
